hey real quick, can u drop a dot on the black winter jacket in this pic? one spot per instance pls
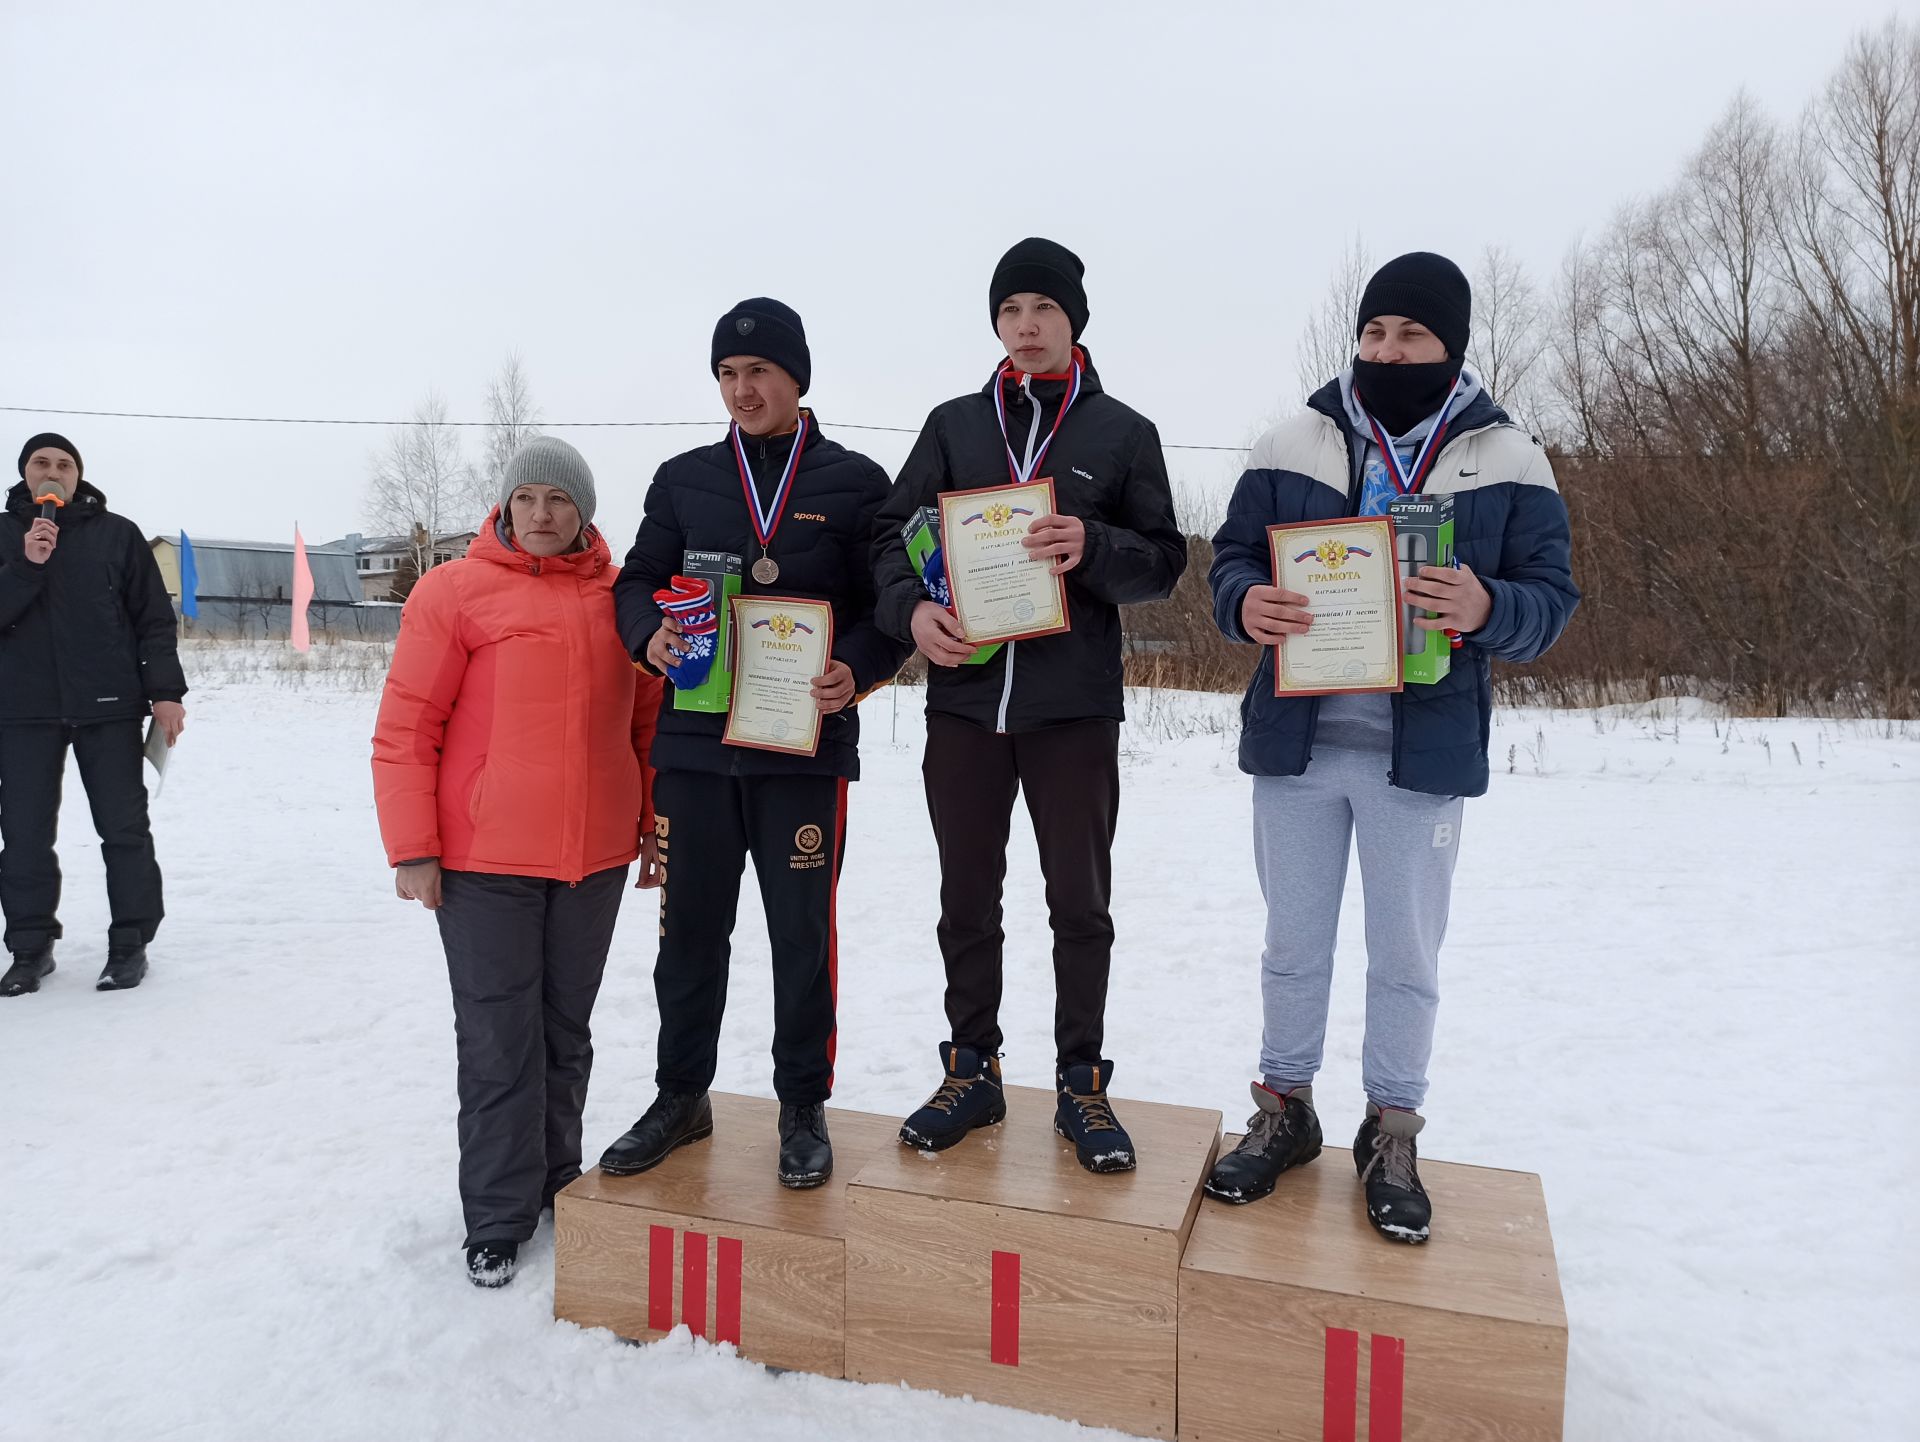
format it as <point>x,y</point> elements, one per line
<point>695,504</point>
<point>89,636</point>
<point>1107,469</point>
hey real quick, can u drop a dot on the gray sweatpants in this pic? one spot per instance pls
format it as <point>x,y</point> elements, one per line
<point>1303,827</point>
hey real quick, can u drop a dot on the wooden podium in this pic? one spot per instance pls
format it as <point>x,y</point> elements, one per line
<point>1001,1269</point>
<point>1298,1321</point>
<point>710,1238</point>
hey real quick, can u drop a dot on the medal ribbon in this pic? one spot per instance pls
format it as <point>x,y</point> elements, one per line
<point>1021,474</point>
<point>1408,481</point>
<point>766,522</point>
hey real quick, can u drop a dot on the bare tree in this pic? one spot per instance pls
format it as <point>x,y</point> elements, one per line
<point>421,485</point>
<point>1327,342</point>
<point>1506,337</point>
<point>512,420</point>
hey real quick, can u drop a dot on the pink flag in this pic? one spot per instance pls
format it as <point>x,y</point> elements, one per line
<point>302,593</point>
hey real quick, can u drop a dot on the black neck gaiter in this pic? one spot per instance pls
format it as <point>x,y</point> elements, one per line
<point>1402,396</point>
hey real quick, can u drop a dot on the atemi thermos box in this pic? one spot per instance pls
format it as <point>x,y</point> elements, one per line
<point>922,535</point>
<point>722,568</point>
<point>1422,536</point>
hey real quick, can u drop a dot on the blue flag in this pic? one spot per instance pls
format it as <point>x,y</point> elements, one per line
<point>189,579</point>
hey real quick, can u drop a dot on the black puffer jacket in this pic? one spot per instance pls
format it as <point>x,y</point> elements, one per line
<point>1107,469</point>
<point>695,504</point>
<point>89,636</point>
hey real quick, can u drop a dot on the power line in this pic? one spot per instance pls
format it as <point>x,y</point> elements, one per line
<point>556,425</point>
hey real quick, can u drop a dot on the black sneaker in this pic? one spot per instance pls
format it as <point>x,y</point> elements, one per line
<point>1283,1133</point>
<point>492,1264</point>
<point>674,1120</point>
<point>1084,1116</point>
<point>969,1097</point>
<point>806,1152</point>
<point>126,964</point>
<point>1385,1156</point>
<point>27,969</point>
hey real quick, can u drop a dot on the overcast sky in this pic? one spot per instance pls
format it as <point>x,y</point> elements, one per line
<point>253,209</point>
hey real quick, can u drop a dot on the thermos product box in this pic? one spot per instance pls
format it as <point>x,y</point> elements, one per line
<point>722,568</point>
<point>922,535</point>
<point>1422,536</point>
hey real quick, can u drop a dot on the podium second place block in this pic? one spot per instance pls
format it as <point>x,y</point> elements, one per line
<point>1298,1323</point>
<point>1001,1269</point>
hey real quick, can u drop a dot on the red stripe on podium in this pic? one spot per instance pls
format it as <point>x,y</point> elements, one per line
<point>1386,1384</point>
<point>726,1292</point>
<point>660,1279</point>
<point>693,1284</point>
<point>1341,1394</point>
<point>1004,1342</point>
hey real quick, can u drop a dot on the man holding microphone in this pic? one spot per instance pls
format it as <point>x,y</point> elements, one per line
<point>82,663</point>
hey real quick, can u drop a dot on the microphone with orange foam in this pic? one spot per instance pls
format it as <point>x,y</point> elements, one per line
<point>52,497</point>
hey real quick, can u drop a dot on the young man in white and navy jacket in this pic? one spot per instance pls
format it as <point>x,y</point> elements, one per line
<point>1392,769</point>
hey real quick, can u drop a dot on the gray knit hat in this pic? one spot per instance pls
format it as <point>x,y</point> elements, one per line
<point>550,461</point>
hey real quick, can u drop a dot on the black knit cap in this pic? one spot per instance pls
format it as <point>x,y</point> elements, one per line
<point>768,329</point>
<point>1425,287</point>
<point>59,443</point>
<point>1044,267</point>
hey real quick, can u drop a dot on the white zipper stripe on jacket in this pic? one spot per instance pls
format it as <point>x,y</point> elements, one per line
<point>1026,473</point>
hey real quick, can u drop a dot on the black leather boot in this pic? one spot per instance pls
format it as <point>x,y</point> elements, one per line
<point>674,1119</point>
<point>806,1152</point>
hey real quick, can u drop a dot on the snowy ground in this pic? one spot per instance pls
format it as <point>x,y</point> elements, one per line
<point>1680,985</point>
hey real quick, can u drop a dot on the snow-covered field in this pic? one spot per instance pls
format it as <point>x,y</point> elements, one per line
<point>1682,984</point>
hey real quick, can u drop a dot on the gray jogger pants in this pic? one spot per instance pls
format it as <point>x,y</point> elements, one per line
<point>1302,830</point>
<point>525,956</point>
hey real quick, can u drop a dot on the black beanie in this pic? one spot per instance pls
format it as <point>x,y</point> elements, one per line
<point>1044,267</point>
<point>1425,287</point>
<point>768,329</point>
<point>59,443</point>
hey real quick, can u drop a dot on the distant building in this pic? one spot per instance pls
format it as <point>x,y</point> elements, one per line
<point>384,563</point>
<point>245,588</point>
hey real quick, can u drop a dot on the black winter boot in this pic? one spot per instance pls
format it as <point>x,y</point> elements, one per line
<point>1084,1116</point>
<point>806,1152</point>
<point>969,1097</point>
<point>1283,1133</point>
<point>1387,1160</point>
<point>27,969</point>
<point>492,1264</point>
<point>674,1120</point>
<point>126,962</point>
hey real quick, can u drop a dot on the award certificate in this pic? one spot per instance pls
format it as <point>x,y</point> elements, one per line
<point>1000,591</point>
<point>1347,571</point>
<point>779,645</point>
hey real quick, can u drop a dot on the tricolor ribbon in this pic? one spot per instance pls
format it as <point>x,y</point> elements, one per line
<point>766,522</point>
<point>1409,481</point>
<point>1075,379</point>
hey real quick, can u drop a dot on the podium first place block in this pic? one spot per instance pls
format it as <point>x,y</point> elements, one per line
<point>710,1238</point>
<point>1298,1323</point>
<point>1001,1269</point>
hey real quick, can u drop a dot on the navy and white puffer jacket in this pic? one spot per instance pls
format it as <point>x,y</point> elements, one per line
<point>1510,527</point>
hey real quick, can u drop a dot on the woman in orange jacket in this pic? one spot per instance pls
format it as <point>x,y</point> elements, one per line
<point>510,775</point>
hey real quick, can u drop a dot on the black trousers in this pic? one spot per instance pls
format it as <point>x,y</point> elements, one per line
<point>33,763</point>
<point>795,829</point>
<point>1071,775</point>
<point>525,956</point>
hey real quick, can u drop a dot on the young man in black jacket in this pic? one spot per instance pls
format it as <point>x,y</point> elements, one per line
<point>796,509</point>
<point>1041,715</point>
<point>82,664</point>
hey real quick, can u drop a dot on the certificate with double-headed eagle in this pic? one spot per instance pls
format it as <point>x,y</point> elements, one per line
<point>1000,591</point>
<point>780,644</point>
<point>1347,572</point>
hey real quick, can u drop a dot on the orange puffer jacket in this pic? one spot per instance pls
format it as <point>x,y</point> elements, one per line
<point>513,732</point>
